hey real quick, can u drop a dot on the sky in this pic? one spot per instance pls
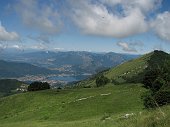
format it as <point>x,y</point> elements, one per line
<point>122,26</point>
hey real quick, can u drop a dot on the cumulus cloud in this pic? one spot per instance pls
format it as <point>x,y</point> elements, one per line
<point>7,36</point>
<point>41,17</point>
<point>58,49</point>
<point>161,25</point>
<point>143,5</point>
<point>125,47</point>
<point>115,18</point>
<point>16,46</point>
<point>130,47</point>
<point>112,18</point>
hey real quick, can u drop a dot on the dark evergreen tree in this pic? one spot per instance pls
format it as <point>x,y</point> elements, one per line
<point>35,86</point>
<point>157,80</point>
<point>101,81</point>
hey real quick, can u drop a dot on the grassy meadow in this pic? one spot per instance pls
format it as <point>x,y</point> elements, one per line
<point>88,107</point>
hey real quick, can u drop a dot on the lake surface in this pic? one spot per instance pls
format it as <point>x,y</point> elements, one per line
<point>64,78</point>
<point>68,78</point>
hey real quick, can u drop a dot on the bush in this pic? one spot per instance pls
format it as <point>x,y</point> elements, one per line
<point>115,82</point>
<point>162,97</point>
<point>156,99</point>
<point>148,100</point>
<point>157,80</point>
<point>35,86</point>
<point>101,81</point>
<point>153,78</point>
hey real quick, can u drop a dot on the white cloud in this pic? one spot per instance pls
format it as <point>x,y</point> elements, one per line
<point>95,18</point>
<point>143,5</point>
<point>58,49</point>
<point>18,47</point>
<point>130,47</point>
<point>161,26</point>
<point>15,46</point>
<point>113,18</point>
<point>41,17</point>
<point>7,36</point>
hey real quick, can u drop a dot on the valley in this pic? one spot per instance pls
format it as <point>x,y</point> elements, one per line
<point>55,80</point>
<point>57,68</point>
<point>117,103</point>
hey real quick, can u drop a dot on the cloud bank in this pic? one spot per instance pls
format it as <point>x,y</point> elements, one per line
<point>41,17</point>
<point>7,36</point>
<point>114,18</point>
<point>110,18</point>
<point>130,47</point>
<point>161,25</point>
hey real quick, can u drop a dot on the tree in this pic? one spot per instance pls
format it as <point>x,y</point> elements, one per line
<point>162,97</point>
<point>148,100</point>
<point>101,81</point>
<point>157,80</point>
<point>35,86</point>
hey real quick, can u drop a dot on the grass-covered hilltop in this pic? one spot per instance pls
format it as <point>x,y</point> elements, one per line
<point>133,94</point>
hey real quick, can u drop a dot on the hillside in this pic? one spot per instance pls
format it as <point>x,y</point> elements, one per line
<point>93,107</point>
<point>16,69</point>
<point>60,107</point>
<point>131,71</point>
<point>11,86</point>
<point>112,105</point>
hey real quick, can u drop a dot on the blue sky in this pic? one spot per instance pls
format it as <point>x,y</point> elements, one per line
<point>124,26</point>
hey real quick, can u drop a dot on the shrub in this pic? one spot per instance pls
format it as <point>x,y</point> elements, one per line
<point>101,81</point>
<point>157,80</point>
<point>115,82</point>
<point>162,97</point>
<point>148,100</point>
<point>35,86</point>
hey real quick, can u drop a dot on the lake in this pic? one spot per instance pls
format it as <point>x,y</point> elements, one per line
<point>63,78</point>
<point>68,78</point>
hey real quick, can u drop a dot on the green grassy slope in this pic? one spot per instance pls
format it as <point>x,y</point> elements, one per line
<point>70,106</point>
<point>122,71</point>
<point>94,107</point>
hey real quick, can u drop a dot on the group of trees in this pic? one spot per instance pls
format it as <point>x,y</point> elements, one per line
<point>157,80</point>
<point>35,86</point>
<point>101,81</point>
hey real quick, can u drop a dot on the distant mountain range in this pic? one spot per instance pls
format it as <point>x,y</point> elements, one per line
<point>72,62</point>
<point>16,69</point>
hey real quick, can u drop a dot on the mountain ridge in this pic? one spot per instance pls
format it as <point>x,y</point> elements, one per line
<point>17,69</point>
<point>78,62</point>
<point>131,71</point>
